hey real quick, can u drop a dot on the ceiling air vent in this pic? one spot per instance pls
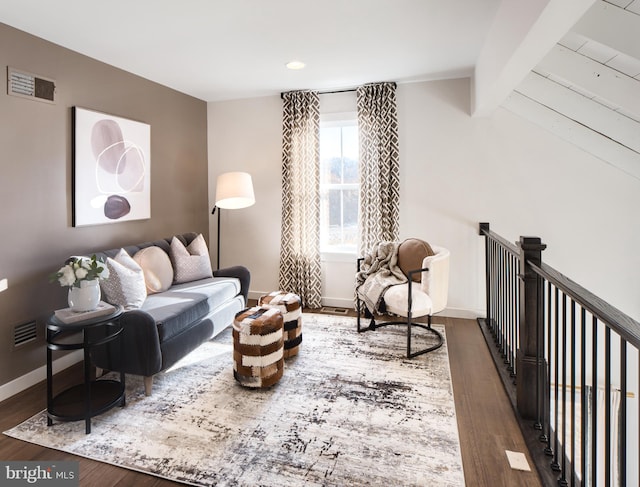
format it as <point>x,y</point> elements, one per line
<point>28,85</point>
<point>24,334</point>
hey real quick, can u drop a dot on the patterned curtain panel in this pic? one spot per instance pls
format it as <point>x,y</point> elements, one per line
<point>300,248</point>
<point>379,165</point>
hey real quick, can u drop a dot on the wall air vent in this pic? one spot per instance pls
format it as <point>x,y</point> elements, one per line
<point>28,85</point>
<point>25,333</point>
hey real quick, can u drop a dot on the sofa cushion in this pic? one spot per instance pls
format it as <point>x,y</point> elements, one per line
<point>125,285</point>
<point>192,262</point>
<point>158,272</point>
<point>179,307</point>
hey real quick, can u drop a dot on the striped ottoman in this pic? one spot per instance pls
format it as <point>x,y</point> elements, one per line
<point>290,305</point>
<point>258,347</point>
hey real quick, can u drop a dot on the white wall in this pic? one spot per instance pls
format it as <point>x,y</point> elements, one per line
<point>246,135</point>
<point>455,171</point>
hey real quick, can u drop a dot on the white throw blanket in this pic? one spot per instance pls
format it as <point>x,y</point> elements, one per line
<point>378,272</point>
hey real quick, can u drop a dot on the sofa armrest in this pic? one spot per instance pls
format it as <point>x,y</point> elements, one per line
<point>138,349</point>
<point>239,272</point>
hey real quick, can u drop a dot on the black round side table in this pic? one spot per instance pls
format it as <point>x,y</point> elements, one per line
<point>92,397</point>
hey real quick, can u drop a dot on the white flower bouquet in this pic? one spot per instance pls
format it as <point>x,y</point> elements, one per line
<point>78,269</point>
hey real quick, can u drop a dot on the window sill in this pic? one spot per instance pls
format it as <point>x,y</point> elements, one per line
<point>338,257</point>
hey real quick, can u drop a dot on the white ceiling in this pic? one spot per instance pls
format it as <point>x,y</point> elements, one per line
<point>586,89</point>
<point>575,59</point>
<point>216,50</point>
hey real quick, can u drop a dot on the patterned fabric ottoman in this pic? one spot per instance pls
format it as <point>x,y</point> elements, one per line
<point>258,347</point>
<point>290,305</point>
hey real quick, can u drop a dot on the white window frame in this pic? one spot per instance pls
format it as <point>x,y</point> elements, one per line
<point>342,119</point>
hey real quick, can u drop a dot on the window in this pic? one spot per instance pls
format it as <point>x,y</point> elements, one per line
<point>339,185</point>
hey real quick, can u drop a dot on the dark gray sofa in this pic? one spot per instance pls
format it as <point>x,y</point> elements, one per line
<point>173,323</point>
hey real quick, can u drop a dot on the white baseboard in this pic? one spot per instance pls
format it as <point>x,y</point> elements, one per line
<point>468,314</point>
<point>32,378</point>
<point>334,302</point>
<point>257,294</point>
<point>338,303</point>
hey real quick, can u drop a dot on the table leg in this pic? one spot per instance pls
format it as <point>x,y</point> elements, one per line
<point>87,384</point>
<point>49,381</point>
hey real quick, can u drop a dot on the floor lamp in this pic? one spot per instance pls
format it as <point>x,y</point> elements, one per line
<point>234,190</point>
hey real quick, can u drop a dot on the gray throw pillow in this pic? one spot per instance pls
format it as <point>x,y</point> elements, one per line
<point>192,262</point>
<point>125,285</point>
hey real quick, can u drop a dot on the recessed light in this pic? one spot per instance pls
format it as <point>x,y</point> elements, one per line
<point>295,65</point>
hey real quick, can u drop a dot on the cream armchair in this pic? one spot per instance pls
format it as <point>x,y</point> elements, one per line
<point>424,293</point>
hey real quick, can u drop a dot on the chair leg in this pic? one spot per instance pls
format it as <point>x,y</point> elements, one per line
<point>367,314</point>
<point>409,334</point>
<point>433,331</point>
<point>408,323</point>
<point>358,311</point>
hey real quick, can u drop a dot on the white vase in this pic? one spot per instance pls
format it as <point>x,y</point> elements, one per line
<point>86,297</point>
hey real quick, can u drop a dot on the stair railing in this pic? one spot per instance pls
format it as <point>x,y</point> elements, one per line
<point>570,364</point>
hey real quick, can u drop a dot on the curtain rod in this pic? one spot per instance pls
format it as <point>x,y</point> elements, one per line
<point>348,90</point>
<point>336,91</point>
<point>324,92</point>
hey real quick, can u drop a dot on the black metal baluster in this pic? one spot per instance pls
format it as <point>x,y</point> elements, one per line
<point>507,312</point>
<point>563,456</point>
<point>501,335</point>
<point>555,465</point>
<point>513,283</point>
<point>539,352</point>
<point>496,296</point>
<point>622,450</point>
<point>516,285</point>
<point>607,406</point>
<point>594,404</point>
<point>572,435</point>
<point>487,272</point>
<point>516,326</point>
<point>583,396</point>
<point>547,410</point>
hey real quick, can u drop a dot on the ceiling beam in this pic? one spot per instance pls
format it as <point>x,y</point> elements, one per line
<point>612,26</point>
<point>521,35</point>
<point>612,87</point>
<point>598,145</point>
<point>584,111</point>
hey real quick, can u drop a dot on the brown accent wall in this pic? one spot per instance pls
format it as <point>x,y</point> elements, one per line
<point>36,235</point>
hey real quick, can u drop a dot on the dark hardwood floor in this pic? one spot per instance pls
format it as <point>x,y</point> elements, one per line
<point>486,422</point>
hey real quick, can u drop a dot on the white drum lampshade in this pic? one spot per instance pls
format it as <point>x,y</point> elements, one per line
<point>234,190</point>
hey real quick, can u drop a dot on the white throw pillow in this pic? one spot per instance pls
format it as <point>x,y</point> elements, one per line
<point>158,272</point>
<point>192,262</point>
<point>125,285</point>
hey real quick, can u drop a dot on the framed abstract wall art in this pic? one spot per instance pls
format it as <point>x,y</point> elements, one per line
<point>111,168</point>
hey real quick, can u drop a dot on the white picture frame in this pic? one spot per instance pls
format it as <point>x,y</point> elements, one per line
<point>111,168</point>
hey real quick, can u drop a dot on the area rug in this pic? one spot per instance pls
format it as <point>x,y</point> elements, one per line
<point>349,410</point>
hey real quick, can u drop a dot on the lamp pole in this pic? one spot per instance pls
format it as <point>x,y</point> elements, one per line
<point>213,212</point>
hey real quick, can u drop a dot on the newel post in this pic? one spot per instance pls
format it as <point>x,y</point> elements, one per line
<point>483,229</point>
<point>530,365</point>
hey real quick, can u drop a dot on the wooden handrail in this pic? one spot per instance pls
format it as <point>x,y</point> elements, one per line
<point>622,324</point>
<point>511,247</point>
